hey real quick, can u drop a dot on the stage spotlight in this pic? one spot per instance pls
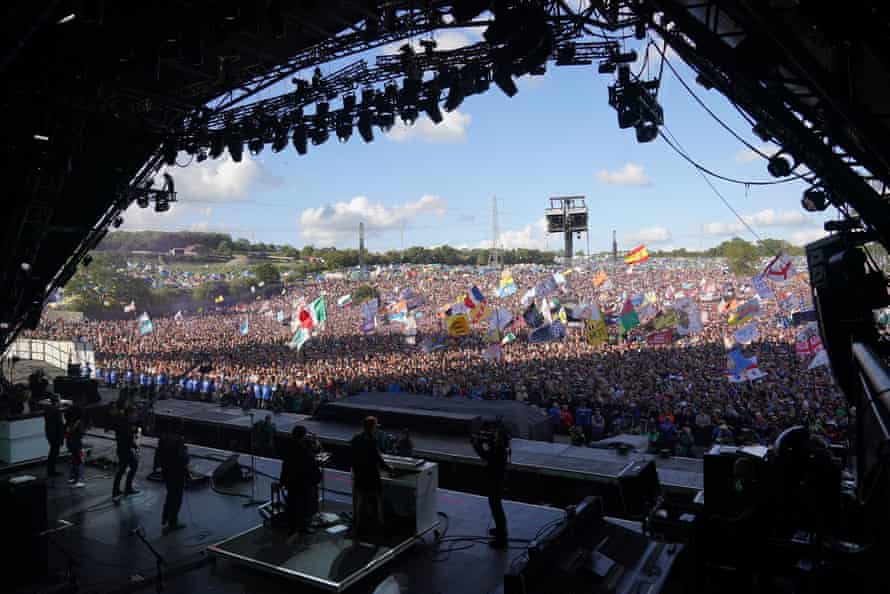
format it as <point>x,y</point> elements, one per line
<point>201,156</point>
<point>299,138</point>
<point>279,138</point>
<point>217,146</point>
<point>455,98</point>
<point>646,131</point>
<point>349,102</point>
<point>162,204</point>
<point>344,125</point>
<point>431,105</point>
<point>505,82</point>
<point>391,93</point>
<point>255,145</point>
<point>815,199</point>
<point>142,201</point>
<point>117,222</point>
<point>322,109</point>
<point>236,149</point>
<point>365,130</point>
<point>169,152</point>
<point>87,260</point>
<point>409,114</point>
<point>780,165</point>
<point>319,133</point>
<point>368,95</point>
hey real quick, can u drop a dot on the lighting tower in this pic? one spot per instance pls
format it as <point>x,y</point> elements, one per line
<point>614,248</point>
<point>494,254</point>
<point>361,250</point>
<point>567,215</point>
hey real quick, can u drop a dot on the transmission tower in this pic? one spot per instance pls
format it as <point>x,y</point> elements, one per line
<point>494,255</point>
<point>361,249</point>
<point>614,248</point>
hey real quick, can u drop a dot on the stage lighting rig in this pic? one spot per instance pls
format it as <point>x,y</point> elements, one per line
<point>431,104</point>
<point>300,138</point>
<point>781,165</point>
<point>217,145</point>
<point>365,121</point>
<point>279,137</point>
<point>236,148</point>
<point>637,105</point>
<point>815,199</point>
<point>344,125</point>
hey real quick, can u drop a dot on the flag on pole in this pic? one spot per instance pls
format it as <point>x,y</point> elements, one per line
<point>130,308</point>
<point>457,325</point>
<point>506,287</point>
<point>638,255</point>
<point>746,334</point>
<point>178,315</point>
<point>595,331</point>
<point>508,338</point>
<point>820,359</point>
<point>779,269</point>
<point>145,324</point>
<point>245,327</point>
<point>318,310</point>
<point>629,317</point>
<point>344,300</point>
<point>763,289</point>
<point>299,339</point>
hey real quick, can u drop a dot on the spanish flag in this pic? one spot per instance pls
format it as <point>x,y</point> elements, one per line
<point>638,255</point>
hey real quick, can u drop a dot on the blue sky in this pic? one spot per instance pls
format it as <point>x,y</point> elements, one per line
<point>434,184</point>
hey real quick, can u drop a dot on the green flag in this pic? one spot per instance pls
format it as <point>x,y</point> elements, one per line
<point>629,317</point>
<point>299,339</point>
<point>318,310</point>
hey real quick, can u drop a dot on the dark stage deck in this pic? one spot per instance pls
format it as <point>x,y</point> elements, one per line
<point>682,475</point>
<point>110,557</point>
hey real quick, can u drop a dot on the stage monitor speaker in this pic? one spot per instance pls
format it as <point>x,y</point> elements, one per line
<point>80,391</point>
<point>23,515</point>
<point>640,488</point>
<point>228,472</point>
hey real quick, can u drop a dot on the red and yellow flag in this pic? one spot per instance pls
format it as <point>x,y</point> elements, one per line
<point>637,255</point>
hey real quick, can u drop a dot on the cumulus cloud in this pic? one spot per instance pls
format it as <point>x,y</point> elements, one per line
<point>765,218</point>
<point>451,130</point>
<point>748,156</point>
<point>807,235</point>
<point>447,40</point>
<point>337,224</point>
<point>655,235</point>
<point>629,175</point>
<point>219,179</point>
<point>531,236</point>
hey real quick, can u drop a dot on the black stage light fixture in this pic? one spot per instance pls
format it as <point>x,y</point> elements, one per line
<point>385,117</point>
<point>455,96</point>
<point>467,10</point>
<point>646,131</point>
<point>236,149</point>
<point>255,145</point>
<point>391,93</point>
<point>368,95</point>
<point>780,165</point>
<point>162,204</point>
<point>431,105</point>
<point>365,130</point>
<point>217,146</point>
<point>322,109</point>
<point>142,201</point>
<point>319,132</point>
<point>349,102</point>
<point>504,80</point>
<point>607,67</point>
<point>409,114</point>
<point>87,260</point>
<point>299,138</point>
<point>117,222</point>
<point>279,138</point>
<point>344,125</point>
<point>815,199</point>
<point>169,152</point>
<point>201,156</point>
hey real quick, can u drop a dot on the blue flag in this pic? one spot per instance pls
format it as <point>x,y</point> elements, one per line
<point>245,327</point>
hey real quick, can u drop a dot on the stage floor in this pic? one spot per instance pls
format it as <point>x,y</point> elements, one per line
<point>110,557</point>
<point>682,475</point>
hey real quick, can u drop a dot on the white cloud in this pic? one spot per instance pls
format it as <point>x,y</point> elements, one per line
<point>629,175</point>
<point>218,179</point>
<point>451,130</point>
<point>747,155</point>
<point>531,236</point>
<point>807,235</point>
<point>765,218</point>
<point>447,40</point>
<point>337,224</point>
<point>655,235</point>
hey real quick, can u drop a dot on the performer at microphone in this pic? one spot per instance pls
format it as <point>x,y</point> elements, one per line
<point>300,475</point>
<point>495,450</point>
<point>367,488</point>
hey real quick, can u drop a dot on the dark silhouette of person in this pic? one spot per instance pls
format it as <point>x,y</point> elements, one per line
<point>367,488</point>
<point>172,458</point>
<point>127,453</point>
<point>54,428</point>
<point>300,475</point>
<point>495,451</point>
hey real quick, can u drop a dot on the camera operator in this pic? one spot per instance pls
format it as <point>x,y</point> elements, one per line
<point>494,448</point>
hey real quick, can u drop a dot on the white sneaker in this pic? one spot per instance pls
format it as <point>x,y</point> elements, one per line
<point>79,485</point>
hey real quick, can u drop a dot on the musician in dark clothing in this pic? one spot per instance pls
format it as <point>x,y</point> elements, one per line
<point>495,450</point>
<point>54,428</point>
<point>171,457</point>
<point>300,475</point>
<point>367,488</point>
<point>125,434</point>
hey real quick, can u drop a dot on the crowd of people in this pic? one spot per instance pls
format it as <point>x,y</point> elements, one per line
<point>678,393</point>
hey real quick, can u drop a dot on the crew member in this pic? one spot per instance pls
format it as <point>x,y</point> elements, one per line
<point>37,384</point>
<point>54,427</point>
<point>495,450</point>
<point>126,433</point>
<point>300,475</point>
<point>367,488</point>
<point>172,458</point>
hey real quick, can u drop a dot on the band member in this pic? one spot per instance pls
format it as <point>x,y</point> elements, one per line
<point>126,434</point>
<point>367,488</point>
<point>495,450</point>
<point>55,434</point>
<point>300,475</point>
<point>172,458</point>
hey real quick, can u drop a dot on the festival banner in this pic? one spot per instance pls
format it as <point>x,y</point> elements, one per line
<point>595,331</point>
<point>662,337</point>
<point>457,325</point>
<point>629,318</point>
<point>780,269</point>
<point>145,325</point>
<point>665,319</point>
<point>763,289</point>
<point>344,300</point>
<point>299,339</point>
<point>540,334</point>
<point>244,329</point>
<point>745,312</point>
<point>746,334</point>
<point>506,286</point>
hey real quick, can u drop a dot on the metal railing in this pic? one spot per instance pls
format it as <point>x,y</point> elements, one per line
<point>55,352</point>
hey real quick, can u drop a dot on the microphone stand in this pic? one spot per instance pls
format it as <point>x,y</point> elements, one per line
<point>159,560</point>
<point>253,500</point>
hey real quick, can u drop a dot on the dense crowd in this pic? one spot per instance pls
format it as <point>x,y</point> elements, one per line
<point>678,392</point>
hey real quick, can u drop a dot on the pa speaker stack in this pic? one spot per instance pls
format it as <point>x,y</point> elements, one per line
<point>228,472</point>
